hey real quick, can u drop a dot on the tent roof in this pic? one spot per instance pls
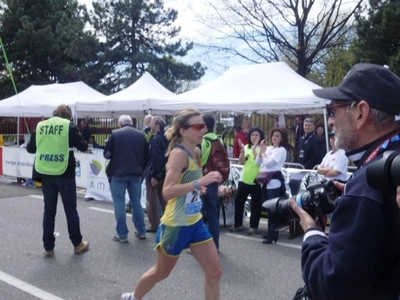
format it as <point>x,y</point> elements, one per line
<point>142,95</point>
<point>42,100</point>
<point>261,88</point>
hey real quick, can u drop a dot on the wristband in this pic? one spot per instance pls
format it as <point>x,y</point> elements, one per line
<point>196,185</point>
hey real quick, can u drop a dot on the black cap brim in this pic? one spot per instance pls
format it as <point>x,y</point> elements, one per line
<point>331,93</point>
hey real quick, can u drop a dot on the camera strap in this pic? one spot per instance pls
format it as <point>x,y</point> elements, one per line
<point>371,154</point>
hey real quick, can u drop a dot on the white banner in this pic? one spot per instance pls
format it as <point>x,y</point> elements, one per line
<point>98,186</point>
<point>17,162</point>
<point>90,171</point>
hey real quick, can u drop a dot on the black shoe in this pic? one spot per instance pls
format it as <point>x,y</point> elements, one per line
<point>270,240</point>
<point>151,230</point>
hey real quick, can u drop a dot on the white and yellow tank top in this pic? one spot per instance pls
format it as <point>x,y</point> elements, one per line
<point>185,210</point>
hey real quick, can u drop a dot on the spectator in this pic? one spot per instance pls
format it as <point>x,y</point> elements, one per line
<point>182,223</point>
<point>320,132</point>
<point>298,132</point>
<point>155,179</point>
<point>361,257</point>
<point>271,160</point>
<point>92,143</point>
<point>128,153</point>
<point>146,127</point>
<point>334,164</point>
<point>248,184</point>
<point>310,150</point>
<point>54,138</point>
<point>210,197</point>
<point>241,136</point>
<point>85,130</point>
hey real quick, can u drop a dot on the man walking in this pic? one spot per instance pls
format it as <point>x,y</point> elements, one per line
<point>55,168</point>
<point>128,153</point>
<point>155,179</point>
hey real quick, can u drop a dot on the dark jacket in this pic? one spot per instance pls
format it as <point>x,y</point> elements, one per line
<point>75,140</point>
<point>128,152</point>
<point>86,133</point>
<point>361,257</point>
<point>314,151</point>
<point>158,147</point>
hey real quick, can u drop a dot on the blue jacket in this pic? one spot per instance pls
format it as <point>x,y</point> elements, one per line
<point>313,150</point>
<point>361,257</point>
<point>128,152</point>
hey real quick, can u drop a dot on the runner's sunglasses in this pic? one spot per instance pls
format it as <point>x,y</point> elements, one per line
<point>197,127</point>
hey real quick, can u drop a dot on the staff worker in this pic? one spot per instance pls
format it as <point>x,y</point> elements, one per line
<point>361,257</point>
<point>55,168</point>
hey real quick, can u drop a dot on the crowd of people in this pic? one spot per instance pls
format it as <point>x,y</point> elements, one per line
<point>359,260</point>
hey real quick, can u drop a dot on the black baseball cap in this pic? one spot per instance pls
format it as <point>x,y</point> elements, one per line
<point>375,84</point>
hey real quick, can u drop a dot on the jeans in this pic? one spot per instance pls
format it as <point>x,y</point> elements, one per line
<point>51,186</point>
<point>211,211</point>
<point>269,194</point>
<point>243,191</point>
<point>118,186</point>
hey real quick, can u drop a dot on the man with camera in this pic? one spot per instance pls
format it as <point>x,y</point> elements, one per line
<point>361,257</point>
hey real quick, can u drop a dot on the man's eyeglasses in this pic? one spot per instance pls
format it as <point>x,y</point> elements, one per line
<point>196,127</point>
<point>331,109</point>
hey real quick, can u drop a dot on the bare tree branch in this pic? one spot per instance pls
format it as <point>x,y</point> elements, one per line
<point>301,32</point>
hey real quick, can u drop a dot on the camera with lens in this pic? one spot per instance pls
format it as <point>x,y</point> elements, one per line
<point>317,200</point>
<point>384,173</point>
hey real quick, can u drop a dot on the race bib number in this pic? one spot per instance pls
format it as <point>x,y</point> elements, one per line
<point>193,203</point>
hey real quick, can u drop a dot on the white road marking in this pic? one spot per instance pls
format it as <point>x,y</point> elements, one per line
<point>26,287</point>
<point>101,209</point>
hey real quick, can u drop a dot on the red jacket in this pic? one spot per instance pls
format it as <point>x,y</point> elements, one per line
<point>236,147</point>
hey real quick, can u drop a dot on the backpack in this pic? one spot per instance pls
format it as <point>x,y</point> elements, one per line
<point>218,159</point>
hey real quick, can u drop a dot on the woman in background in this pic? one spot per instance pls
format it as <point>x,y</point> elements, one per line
<point>247,184</point>
<point>271,160</point>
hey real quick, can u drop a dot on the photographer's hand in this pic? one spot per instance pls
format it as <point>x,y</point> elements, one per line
<point>339,185</point>
<point>306,221</point>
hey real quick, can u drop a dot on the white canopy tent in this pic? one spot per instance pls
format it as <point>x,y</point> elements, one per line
<point>143,95</point>
<point>41,100</point>
<point>257,88</point>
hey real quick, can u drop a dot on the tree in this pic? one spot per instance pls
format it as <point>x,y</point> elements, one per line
<point>379,34</point>
<point>46,43</point>
<point>300,32</point>
<point>139,35</point>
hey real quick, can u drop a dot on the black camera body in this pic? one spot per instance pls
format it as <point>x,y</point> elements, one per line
<point>384,173</point>
<point>317,200</point>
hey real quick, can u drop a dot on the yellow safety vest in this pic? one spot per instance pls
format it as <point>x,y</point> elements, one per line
<point>52,146</point>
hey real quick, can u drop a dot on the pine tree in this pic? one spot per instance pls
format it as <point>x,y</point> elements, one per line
<point>138,36</point>
<point>46,43</point>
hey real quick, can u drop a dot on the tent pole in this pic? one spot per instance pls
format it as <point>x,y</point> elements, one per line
<point>18,133</point>
<point>326,131</point>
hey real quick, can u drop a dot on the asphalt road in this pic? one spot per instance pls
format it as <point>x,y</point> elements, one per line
<point>251,270</point>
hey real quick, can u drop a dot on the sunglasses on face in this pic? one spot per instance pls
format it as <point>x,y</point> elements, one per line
<point>197,127</point>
